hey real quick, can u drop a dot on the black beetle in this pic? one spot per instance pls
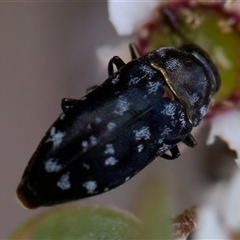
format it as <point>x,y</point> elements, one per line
<point>102,140</point>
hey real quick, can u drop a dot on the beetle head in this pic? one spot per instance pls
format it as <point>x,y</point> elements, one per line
<point>190,74</point>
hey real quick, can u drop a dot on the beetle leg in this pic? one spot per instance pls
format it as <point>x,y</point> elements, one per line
<point>117,61</point>
<point>190,141</point>
<point>134,51</point>
<point>67,103</point>
<point>174,151</point>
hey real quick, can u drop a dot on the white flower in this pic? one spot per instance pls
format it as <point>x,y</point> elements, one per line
<point>226,126</point>
<point>231,4</point>
<point>219,218</point>
<point>127,16</point>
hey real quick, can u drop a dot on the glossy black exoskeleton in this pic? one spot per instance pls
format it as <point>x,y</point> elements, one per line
<point>102,140</point>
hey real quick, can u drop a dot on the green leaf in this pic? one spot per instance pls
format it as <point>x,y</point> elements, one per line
<point>80,222</point>
<point>152,206</point>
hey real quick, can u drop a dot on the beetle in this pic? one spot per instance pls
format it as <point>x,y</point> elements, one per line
<point>139,113</point>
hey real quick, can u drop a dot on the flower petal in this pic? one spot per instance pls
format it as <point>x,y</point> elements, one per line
<point>127,16</point>
<point>226,127</point>
<point>219,218</point>
<point>232,204</point>
<point>231,4</point>
<point>209,227</point>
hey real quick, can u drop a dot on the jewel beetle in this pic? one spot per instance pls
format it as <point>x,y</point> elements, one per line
<point>139,113</point>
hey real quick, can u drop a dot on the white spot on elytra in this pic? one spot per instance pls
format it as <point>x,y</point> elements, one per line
<point>90,186</point>
<point>84,144</point>
<point>55,137</point>
<point>98,119</point>
<point>127,178</point>
<point>122,105</point>
<point>111,161</point>
<point>51,165</point>
<point>134,80</point>
<point>89,126</point>
<point>166,131</point>
<point>115,79</point>
<point>87,166</point>
<point>140,147</point>
<point>93,140</point>
<point>64,182</point>
<point>203,110</point>
<point>153,86</point>
<point>163,148</point>
<point>111,126</point>
<point>169,110</point>
<point>182,120</point>
<point>62,116</point>
<point>109,149</point>
<point>142,133</point>
<point>146,73</point>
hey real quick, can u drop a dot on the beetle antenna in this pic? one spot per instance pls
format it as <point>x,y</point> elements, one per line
<point>172,20</point>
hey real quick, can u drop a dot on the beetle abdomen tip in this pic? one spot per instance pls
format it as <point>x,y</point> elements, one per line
<point>27,198</point>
